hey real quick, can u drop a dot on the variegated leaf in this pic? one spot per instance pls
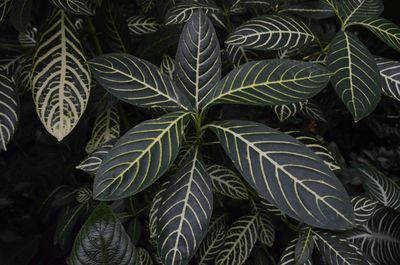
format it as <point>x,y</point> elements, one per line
<point>140,157</point>
<point>355,10</point>
<point>286,173</point>
<point>271,32</point>
<point>363,208</point>
<point>144,257</point>
<point>240,240</point>
<point>313,111</point>
<point>271,208</point>
<point>181,13</point>
<point>155,208</point>
<point>284,112</point>
<point>188,146</point>
<point>390,73</point>
<point>304,247</point>
<point>139,25</point>
<point>168,66</point>
<point>265,227</point>
<point>83,195</point>
<point>238,55</point>
<point>288,255</point>
<point>78,7</point>
<point>9,110</point>
<point>185,212</point>
<point>60,78</point>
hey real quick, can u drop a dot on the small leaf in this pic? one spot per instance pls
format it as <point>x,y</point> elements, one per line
<point>4,9</point>
<point>356,10</point>
<point>112,245</point>
<point>28,38</point>
<point>284,112</point>
<point>266,230</point>
<point>238,55</point>
<point>363,208</point>
<point>312,111</point>
<point>144,257</point>
<point>78,7</point>
<point>167,66</point>
<point>389,70</point>
<point>288,255</point>
<point>92,162</point>
<point>146,5</point>
<point>304,247</point>
<point>139,25</point>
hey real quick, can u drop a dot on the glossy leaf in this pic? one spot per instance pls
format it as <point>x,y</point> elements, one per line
<point>139,25</point>
<point>284,112</point>
<point>363,208</point>
<point>168,66</point>
<point>389,70</point>
<point>155,208</point>
<point>355,10</point>
<point>238,55</point>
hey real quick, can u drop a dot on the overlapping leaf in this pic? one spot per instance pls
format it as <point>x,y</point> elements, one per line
<point>238,55</point>
<point>139,25</point>
<point>356,77</point>
<point>185,212</point>
<point>355,10</point>
<point>146,5</point>
<point>286,173</point>
<point>310,9</point>
<point>66,222</point>
<point>270,82</point>
<point>284,112</point>
<point>144,257</point>
<point>304,247</point>
<point>167,66</point>
<point>140,157</point>
<point>155,208</point>
<point>271,32</point>
<point>312,111</point>
<point>78,7</point>
<point>60,77</point>
<point>92,162</point>
<point>28,38</point>
<point>265,227</point>
<point>363,208</point>
<point>136,81</point>
<point>20,14</point>
<point>389,70</point>
<point>288,255</point>
<point>181,13</point>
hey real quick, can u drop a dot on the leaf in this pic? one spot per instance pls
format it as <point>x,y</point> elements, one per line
<point>144,257</point>
<point>333,4</point>
<point>271,208</point>
<point>28,38</point>
<point>288,255</point>
<point>155,208</point>
<point>140,157</point>
<point>139,25</point>
<point>66,223</point>
<point>286,173</point>
<point>284,112</point>
<point>356,77</point>
<point>213,242</point>
<point>363,208</point>
<point>135,230</point>
<point>238,55</point>
<point>240,240</point>
<point>92,162</point>
<point>198,60</point>
<point>102,240</point>
<point>146,5</point>
<point>20,14</point>
<point>312,111</point>
<point>271,32</point>
<point>260,256</point>
<point>379,187</point>
<point>181,13</point>
<point>391,80</point>
<point>265,227</point>
<point>310,9</point>
<point>337,251</point>
<point>227,183</point>
<point>4,8</point>
<point>381,238</point>
<point>9,110</point>
<point>304,247</point>
<point>185,212</point>
<point>270,82</point>
<point>60,78</point>
<point>136,82</point>
<point>78,7</point>
<point>355,10</point>
<point>106,127</point>
<point>167,66</point>
<point>83,195</point>
<point>158,42</point>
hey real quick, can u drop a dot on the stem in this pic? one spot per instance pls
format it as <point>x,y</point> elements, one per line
<point>92,31</point>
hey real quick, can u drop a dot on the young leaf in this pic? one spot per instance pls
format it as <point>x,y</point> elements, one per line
<point>288,255</point>
<point>356,77</point>
<point>265,227</point>
<point>185,212</point>
<point>389,70</point>
<point>155,208</point>
<point>239,242</point>
<point>92,162</point>
<point>183,12</point>
<point>139,25</point>
<point>304,247</point>
<point>60,78</point>
<point>363,208</point>
<point>136,81</point>
<point>284,112</point>
<point>198,60</point>
<point>356,10</point>
<point>270,82</point>
<point>146,5</point>
<point>9,110</point>
<point>20,14</point>
<point>78,7</point>
<point>144,257</point>
<point>102,240</point>
<point>271,32</point>
<point>140,157</point>
<point>286,173</point>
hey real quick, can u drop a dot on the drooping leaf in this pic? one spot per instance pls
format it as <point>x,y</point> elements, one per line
<point>240,240</point>
<point>286,173</point>
<point>168,66</point>
<point>363,208</point>
<point>355,10</point>
<point>155,208</point>
<point>140,157</point>
<point>185,212</point>
<point>181,13</point>
<point>198,61</point>
<point>9,110</point>
<point>102,240</point>
<point>389,70</point>
<point>271,32</point>
<point>284,112</point>
<point>227,183</point>
<point>78,7</point>
<point>139,25</point>
<point>66,222</point>
<point>144,257</point>
<point>304,247</point>
<point>60,77</point>
<point>136,81</point>
<point>356,77</point>
<point>288,255</point>
<point>238,55</point>
<point>20,14</point>
<point>270,82</point>
<point>265,227</point>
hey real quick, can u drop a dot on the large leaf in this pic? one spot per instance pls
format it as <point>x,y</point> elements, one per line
<point>60,77</point>
<point>288,255</point>
<point>271,32</point>
<point>182,12</point>
<point>20,14</point>
<point>270,82</point>
<point>356,77</point>
<point>139,25</point>
<point>363,208</point>
<point>379,187</point>
<point>286,173</point>
<point>9,110</point>
<point>355,10</point>
<point>389,70</point>
<point>239,242</point>
<point>79,7</point>
<point>198,60</point>
<point>102,240</point>
<point>136,81</point>
<point>140,157</point>
<point>185,212</point>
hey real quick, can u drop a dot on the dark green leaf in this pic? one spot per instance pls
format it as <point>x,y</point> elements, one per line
<point>389,70</point>
<point>78,7</point>
<point>304,247</point>
<point>20,14</point>
<point>66,222</point>
<point>363,208</point>
<point>355,10</point>
<point>288,255</point>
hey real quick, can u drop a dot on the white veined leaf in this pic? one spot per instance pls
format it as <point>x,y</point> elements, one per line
<point>288,53</point>
<point>304,247</point>
<point>355,10</point>
<point>83,195</point>
<point>263,5</point>
<point>336,250</point>
<point>154,254</point>
<point>167,65</point>
<point>198,60</point>
<point>92,162</point>
<point>265,227</point>
<point>185,212</point>
<point>106,127</point>
<point>78,7</point>
<point>140,157</point>
<point>271,208</point>
<point>20,14</point>
<point>4,8</point>
<point>363,208</point>
<point>380,237</point>
<point>288,255</point>
<point>9,110</point>
<point>389,70</point>
<point>146,5</point>
<point>319,58</point>
<point>213,242</point>
<point>155,208</point>
<point>181,13</point>
<point>310,9</point>
<point>28,37</point>
<point>286,173</point>
<point>286,111</point>
<point>144,257</point>
<point>238,55</point>
<point>356,77</point>
<point>312,111</point>
<point>271,32</point>
<point>140,25</point>
<point>379,187</point>
<point>60,78</point>
<point>240,240</point>
<point>227,183</point>
<point>188,146</point>
<point>333,4</point>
